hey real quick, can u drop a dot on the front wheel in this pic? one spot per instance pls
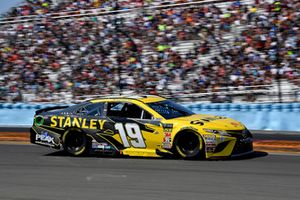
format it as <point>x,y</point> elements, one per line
<point>189,145</point>
<point>75,142</point>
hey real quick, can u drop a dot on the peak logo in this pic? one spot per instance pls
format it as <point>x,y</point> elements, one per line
<point>44,137</point>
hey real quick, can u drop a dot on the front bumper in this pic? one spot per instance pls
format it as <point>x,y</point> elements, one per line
<point>244,143</point>
<point>242,154</point>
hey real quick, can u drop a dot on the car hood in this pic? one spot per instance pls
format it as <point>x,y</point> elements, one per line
<point>210,122</point>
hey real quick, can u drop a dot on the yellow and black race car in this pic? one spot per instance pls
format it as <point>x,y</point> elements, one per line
<point>139,126</point>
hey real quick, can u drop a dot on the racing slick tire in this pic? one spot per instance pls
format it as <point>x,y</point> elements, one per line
<point>189,145</point>
<point>75,142</point>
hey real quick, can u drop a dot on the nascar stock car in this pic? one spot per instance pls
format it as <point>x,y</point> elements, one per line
<point>138,126</point>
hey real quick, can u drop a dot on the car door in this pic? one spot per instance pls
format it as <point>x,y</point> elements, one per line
<point>135,127</point>
<point>101,128</point>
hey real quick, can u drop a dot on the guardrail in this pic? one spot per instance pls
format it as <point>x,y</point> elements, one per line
<point>285,116</point>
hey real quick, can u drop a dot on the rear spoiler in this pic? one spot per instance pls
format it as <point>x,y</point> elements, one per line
<point>49,108</point>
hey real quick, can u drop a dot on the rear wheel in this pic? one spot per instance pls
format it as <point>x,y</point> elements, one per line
<point>189,145</point>
<point>75,142</point>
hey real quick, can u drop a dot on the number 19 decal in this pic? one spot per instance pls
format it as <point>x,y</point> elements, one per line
<point>132,135</point>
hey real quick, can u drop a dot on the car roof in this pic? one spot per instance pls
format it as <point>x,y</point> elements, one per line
<point>142,98</point>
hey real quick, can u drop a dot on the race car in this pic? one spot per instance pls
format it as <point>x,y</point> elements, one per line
<point>149,126</point>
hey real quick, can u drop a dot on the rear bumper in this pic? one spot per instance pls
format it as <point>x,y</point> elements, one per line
<point>32,135</point>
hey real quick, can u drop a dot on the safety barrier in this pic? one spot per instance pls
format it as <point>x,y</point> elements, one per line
<point>285,116</point>
<point>19,114</point>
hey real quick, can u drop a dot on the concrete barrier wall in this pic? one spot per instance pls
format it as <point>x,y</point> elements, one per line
<point>284,117</point>
<point>19,114</point>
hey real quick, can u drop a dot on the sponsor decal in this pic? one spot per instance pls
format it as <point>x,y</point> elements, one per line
<point>209,138</point>
<point>61,121</point>
<point>210,142</point>
<point>168,127</point>
<point>44,138</point>
<point>101,145</point>
<point>167,140</point>
<point>167,130</point>
<point>210,149</point>
<point>166,145</point>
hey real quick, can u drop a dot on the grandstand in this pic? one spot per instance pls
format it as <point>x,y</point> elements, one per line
<point>218,51</point>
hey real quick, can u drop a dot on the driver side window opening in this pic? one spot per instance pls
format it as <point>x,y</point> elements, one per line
<point>127,110</point>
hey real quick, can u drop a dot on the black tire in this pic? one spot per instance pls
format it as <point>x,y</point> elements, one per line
<point>189,145</point>
<point>75,143</point>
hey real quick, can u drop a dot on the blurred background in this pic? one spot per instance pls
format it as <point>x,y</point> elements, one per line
<point>205,51</point>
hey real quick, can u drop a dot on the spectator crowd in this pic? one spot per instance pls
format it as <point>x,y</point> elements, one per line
<point>42,7</point>
<point>136,51</point>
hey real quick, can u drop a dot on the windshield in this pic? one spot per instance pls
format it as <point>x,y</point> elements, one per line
<point>169,109</point>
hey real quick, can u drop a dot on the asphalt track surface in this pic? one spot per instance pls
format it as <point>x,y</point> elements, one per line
<point>30,172</point>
